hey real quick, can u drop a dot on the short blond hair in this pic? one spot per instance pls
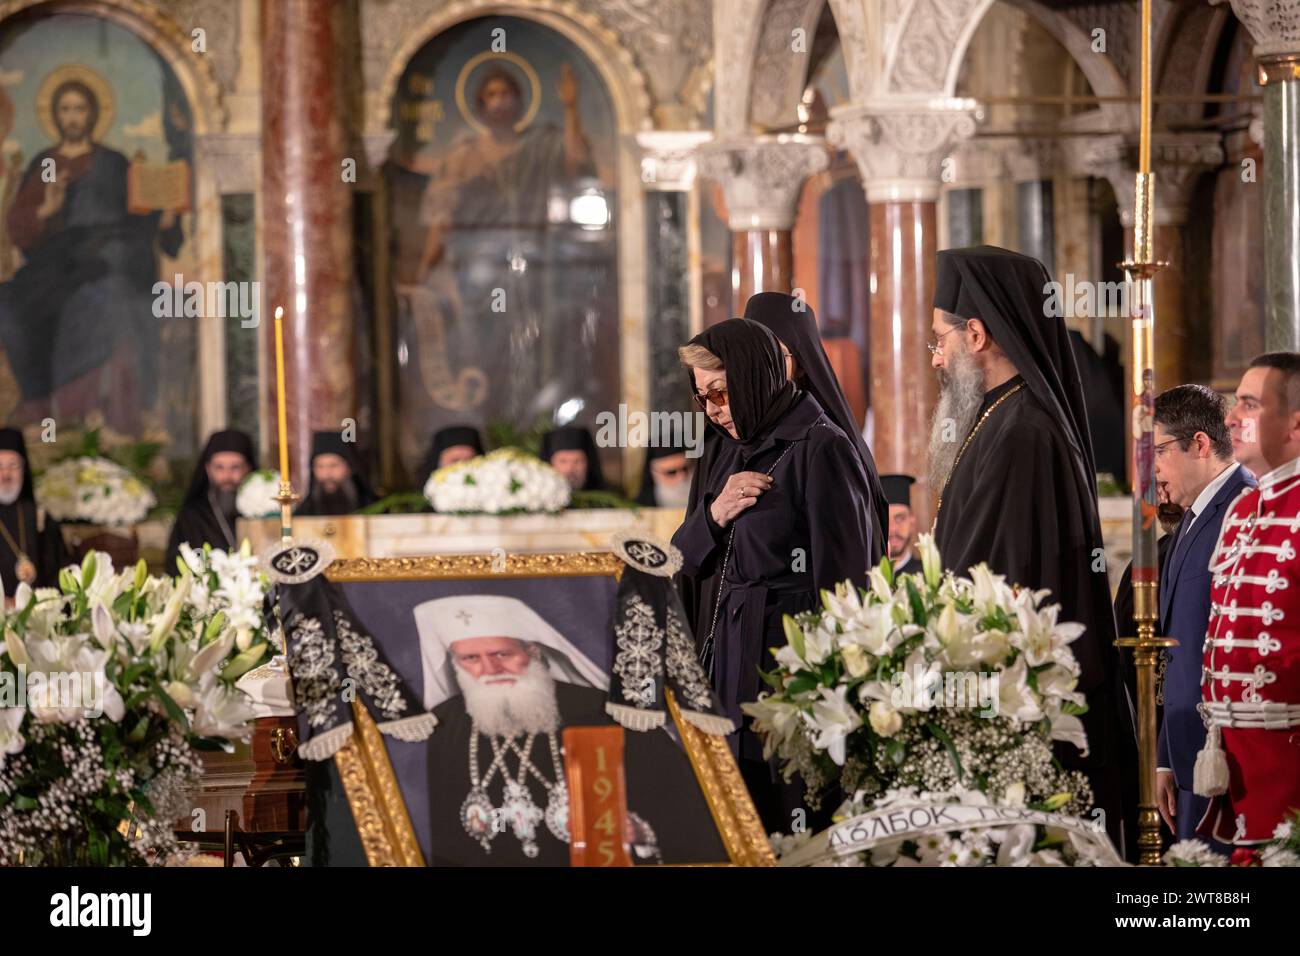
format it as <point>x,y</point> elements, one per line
<point>697,356</point>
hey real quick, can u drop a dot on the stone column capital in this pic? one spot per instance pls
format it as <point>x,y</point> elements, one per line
<point>1176,159</point>
<point>900,143</point>
<point>761,176</point>
<point>669,158</point>
<point>1274,25</point>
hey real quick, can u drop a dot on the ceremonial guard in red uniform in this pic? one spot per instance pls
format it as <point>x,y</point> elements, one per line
<point>1251,677</point>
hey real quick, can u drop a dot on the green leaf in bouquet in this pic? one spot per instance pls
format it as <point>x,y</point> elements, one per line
<point>214,627</point>
<point>887,569</point>
<point>896,750</point>
<point>173,709</point>
<point>772,679</point>
<point>1073,709</point>
<point>243,662</point>
<point>22,802</point>
<point>802,683</point>
<point>213,744</point>
<point>919,615</point>
<point>88,564</point>
<point>98,847</point>
<point>942,736</point>
<point>402,502</point>
<point>122,604</point>
<point>793,635</point>
<point>139,731</point>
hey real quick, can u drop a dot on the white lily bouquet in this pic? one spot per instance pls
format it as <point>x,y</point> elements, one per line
<point>257,494</point>
<point>506,481</point>
<point>928,681</point>
<point>109,684</point>
<point>93,490</point>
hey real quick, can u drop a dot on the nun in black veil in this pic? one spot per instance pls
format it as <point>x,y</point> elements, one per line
<point>794,324</point>
<point>783,512</point>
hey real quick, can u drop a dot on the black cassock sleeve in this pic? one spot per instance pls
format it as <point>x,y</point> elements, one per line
<point>839,515</point>
<point>53,556</point>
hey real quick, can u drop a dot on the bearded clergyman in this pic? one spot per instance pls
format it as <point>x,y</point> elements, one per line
<point>31,545</point>
<point>1010,450</point>
<point>503,684</point>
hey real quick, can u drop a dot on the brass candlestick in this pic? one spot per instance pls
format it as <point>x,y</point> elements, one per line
<point>1139,271</point>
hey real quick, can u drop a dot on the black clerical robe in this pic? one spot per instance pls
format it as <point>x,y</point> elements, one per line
<point>1013,501</point>
<point>43,541</point>
<point>197,523</point>
<point>661,788</point>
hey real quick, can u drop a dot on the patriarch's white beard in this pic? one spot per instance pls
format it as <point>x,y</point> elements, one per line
<point>960,396</point>
<point>503,709</point>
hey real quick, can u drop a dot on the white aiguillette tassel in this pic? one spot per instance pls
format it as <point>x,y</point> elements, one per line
<point>326,745</point>
<point>710,723</point>
<point>635,719</point>
<point>1210,778</point>
<point>410,729</point>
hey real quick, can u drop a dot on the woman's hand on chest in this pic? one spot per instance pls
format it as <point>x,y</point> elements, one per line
<point>741,492</point>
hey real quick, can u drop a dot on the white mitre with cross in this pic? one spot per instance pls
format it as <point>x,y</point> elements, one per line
<point>444,621</point>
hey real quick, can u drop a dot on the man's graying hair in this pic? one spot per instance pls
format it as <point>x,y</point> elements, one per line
<point>1185,410</point>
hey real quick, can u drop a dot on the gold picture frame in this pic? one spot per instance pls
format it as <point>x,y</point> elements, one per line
<point>370,784</point>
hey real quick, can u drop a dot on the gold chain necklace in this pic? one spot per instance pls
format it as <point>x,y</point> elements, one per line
<point>23,567</point>
<point>969,438</point>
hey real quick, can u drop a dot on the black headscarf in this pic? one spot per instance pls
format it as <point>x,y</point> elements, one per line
<point>229,440</point>
<point>445,438</point>
<point>794,323</point>
<point>575,438</point>
<point>646,496</point>
<point>758,393</point>
<point>1008,292</point>
<point>332,443</point>
<point>11,439</point>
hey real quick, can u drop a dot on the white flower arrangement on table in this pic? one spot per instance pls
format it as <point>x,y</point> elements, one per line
<point>123,677</point>
<point>931,681</point>
<point>258,493</point>
<point>1282,850</point>
<point>907,827</point>
<point>93,490</point>
<point>505,481</point>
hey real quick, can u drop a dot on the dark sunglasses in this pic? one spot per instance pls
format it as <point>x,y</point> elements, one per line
<point>718,396</point>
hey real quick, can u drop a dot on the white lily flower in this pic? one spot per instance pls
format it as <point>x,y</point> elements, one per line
<point>222,711</point>
<point>1016,699</point>
<point>1067,727</point>
<point>931,563</point>
<point>834,718</point>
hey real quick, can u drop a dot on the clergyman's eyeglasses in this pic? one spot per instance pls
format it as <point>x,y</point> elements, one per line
<point>936,347</point>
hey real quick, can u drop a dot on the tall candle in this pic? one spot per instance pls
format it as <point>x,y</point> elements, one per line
<point>280,393</point>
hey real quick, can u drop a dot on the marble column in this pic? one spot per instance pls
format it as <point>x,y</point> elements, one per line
<point>900,154</point>
<point>1177,161</point>
<point>1275,27</point>
<point>307,223</point>
<point>761,178</point>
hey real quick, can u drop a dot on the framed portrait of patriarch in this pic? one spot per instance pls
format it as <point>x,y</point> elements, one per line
<point>468,673</point>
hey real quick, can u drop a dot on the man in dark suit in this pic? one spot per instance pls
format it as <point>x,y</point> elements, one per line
<point>1194,463</point>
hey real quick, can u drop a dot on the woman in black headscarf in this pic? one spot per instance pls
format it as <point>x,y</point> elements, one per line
<point>794,324</point>
<point>783,512</point>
